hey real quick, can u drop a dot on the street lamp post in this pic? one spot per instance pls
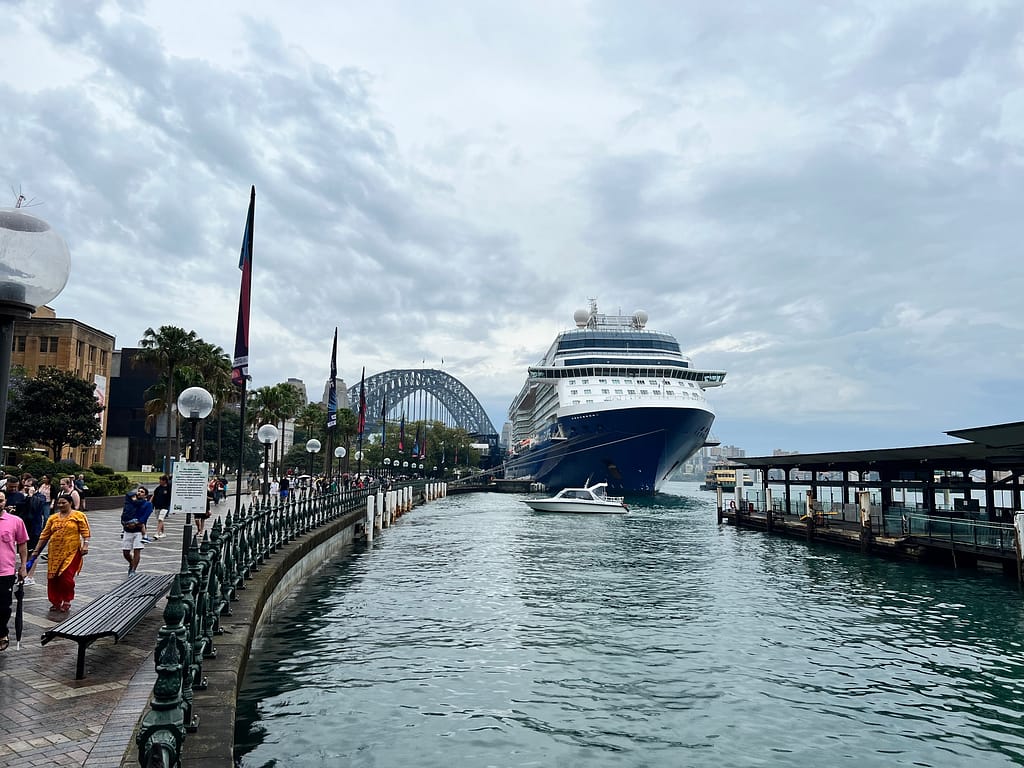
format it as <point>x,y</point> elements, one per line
<point>312,446</point>
<point>387,467</point>
<point>339,454</point>
<point>34,268</point>
<point>267,434</point>
<point>196,404</point>
<point>359,462</point>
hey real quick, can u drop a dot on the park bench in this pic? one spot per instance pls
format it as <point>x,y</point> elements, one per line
<point>114,614</point>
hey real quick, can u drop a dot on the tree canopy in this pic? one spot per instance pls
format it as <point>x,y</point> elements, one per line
<point>56,409</point>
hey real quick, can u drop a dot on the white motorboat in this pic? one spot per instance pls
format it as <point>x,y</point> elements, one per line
<point>592,499</point>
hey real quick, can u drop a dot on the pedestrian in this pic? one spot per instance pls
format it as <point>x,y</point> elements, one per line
<point>67,531</point>
<point>18,500</point>
<point>13,557</point>
<point>283,487</point>
<point>162,504</point>
<point>274,486</point>
<point>44,488</point>
<point>137,509</point>
<point>68,491</point>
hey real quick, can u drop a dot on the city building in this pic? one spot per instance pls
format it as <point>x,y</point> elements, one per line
<point>129,445</point>
<point>47,341</point>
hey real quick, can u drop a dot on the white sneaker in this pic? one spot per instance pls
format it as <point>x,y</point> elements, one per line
<point>160,535</point>
<point>30,581</point>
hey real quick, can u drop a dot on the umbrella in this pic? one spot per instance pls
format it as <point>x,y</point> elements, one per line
<point>19,613</point>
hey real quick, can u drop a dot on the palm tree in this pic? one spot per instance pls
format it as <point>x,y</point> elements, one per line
<point>269,405</point>
<point>210,368</point>
<point>167,348</point>
<point>312,418</point>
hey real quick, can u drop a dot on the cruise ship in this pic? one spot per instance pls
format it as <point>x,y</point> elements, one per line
<point>611,401</point>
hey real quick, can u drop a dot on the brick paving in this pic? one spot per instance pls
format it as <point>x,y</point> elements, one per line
<point>49,718</point>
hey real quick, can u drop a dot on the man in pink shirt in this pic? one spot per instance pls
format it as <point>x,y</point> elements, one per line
<point>13,538</point>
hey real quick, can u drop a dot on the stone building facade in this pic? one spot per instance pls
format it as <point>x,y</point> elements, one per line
<point>45,340</point>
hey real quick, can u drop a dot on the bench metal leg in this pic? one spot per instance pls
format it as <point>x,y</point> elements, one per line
<point>80,669</point>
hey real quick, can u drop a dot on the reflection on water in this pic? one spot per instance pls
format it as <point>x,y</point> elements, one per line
<point>479,633</point>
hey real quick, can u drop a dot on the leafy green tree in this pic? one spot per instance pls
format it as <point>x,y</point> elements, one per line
<point>56,409</point>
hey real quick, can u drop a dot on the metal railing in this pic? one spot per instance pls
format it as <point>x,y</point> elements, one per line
<point>963,531</point>
<point>213,571</point>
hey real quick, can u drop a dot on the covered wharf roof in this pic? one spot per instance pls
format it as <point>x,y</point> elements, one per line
<point>1000,446</point>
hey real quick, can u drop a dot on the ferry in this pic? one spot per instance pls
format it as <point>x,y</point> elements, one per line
<point>725,476</point>
<point>611,401</point>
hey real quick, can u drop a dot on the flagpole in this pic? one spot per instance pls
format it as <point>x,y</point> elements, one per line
<point>241,451</point>
<point>240,361</point>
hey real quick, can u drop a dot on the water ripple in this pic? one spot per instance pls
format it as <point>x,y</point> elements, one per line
<point>478,633</point>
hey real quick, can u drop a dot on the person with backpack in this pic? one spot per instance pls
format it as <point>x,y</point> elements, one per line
<point>137,509</point>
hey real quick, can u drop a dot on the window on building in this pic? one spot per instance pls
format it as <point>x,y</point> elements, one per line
<point>19,343</point>
<point>605,391</point>
<point>92,354</point>
<point>79,346</point>
<point>48,344</point>
<point>103,358</point>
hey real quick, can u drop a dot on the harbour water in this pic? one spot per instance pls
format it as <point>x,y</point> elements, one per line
<point>478,633</point>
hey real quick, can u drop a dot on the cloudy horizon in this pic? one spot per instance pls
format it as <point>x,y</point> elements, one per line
<point>819,200</point>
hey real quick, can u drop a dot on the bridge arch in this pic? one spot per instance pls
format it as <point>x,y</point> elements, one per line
<point>422,395</point>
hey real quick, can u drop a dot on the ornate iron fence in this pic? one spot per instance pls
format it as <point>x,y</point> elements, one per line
<point>213,570</point>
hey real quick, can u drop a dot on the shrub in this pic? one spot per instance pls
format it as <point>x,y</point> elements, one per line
<point>111,484</point>
<point>101,469</point>
<point>40,465</point>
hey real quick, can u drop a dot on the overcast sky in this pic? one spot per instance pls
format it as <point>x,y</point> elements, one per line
<point>823,199</point>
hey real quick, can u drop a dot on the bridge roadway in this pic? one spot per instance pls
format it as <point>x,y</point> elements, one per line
<point>50,718</point>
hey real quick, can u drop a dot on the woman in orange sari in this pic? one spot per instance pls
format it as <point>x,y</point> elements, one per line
<point>67,530</point>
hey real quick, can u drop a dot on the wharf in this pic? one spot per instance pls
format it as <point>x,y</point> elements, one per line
<point>957,544</point>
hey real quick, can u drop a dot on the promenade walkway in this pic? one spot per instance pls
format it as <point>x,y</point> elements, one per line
<point>49,718</point>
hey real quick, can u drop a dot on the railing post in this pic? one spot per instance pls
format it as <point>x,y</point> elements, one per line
<point>162,730</point>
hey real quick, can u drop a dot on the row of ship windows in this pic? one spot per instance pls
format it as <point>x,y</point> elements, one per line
<point>641,382</point>
<point>669,392</point>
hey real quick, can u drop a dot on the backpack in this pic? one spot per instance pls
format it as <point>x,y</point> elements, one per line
<point>38,505</point>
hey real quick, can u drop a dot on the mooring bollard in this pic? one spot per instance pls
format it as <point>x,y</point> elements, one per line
<point>369,519</point>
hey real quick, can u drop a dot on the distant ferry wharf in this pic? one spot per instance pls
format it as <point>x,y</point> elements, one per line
<point>956,504</point>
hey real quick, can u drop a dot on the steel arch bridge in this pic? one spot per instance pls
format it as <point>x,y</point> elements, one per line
<point>423,395</point>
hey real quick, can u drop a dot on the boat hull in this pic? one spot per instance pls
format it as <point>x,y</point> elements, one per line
<point>576,507</point>
<point>632,449</point>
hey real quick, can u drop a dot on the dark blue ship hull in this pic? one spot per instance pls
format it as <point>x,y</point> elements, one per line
<point>632,449</point>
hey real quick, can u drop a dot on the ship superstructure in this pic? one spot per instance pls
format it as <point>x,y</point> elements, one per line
<point>611,401</point>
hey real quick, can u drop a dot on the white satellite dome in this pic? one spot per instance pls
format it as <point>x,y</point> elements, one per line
<point>640,318</point>
<point>581,318</point>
